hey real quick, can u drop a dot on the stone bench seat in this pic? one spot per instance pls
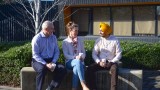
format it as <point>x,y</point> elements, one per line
<point>128,79</point>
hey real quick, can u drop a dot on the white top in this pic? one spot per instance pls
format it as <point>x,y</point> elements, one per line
<point>107,49</point>
<point>68,49</point>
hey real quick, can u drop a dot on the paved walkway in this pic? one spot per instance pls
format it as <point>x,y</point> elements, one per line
<point>151,81</point>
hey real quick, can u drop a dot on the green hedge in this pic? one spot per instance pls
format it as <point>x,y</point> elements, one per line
<point>140,55</point>
<point>15,55</point>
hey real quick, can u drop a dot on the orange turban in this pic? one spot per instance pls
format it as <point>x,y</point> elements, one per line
<point>106,29</point>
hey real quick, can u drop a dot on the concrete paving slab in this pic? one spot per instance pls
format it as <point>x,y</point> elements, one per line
<point>9,88</point>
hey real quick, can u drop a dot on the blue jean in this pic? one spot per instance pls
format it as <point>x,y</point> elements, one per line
<point>78,71</point>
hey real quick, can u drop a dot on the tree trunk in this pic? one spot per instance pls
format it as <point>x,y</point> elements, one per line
<point>37,16</point>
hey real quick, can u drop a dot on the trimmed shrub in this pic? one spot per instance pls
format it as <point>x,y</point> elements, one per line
<point>12,60</point>
<point>15,55</point>
<point>140,55</point>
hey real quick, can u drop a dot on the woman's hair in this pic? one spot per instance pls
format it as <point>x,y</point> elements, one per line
<point>70,26</point>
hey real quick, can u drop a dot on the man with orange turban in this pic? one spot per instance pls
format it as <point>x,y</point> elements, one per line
<point>106,54</point>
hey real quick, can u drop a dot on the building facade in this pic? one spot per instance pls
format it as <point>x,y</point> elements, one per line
<point>126,17</point>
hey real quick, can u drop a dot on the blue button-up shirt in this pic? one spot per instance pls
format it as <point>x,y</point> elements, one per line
<point>45,47</point>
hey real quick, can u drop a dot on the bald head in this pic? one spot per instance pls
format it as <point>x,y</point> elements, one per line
<point>47,28</point>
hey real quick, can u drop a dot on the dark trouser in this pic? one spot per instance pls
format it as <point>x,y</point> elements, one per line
<point>90,75</point>
<point>41,71</point>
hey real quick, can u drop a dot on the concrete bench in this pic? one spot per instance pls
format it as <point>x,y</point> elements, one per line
<point>128,79</point>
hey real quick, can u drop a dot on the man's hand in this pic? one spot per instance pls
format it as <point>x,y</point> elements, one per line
<point>102,64</point>
<point>49,65</point>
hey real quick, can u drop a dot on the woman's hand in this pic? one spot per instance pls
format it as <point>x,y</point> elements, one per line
<point>78,57</point>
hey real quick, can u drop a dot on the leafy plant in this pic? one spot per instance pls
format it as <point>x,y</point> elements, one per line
<point>15,55</point>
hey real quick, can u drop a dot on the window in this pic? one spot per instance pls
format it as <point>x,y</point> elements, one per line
<point>125,20</point>
<point>144,20</point>
<point>101,14</point>
<point>122,21</point>
<point>158,15</point>
<point>81,17</point>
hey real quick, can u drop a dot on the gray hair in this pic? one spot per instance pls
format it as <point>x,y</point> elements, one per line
<point>46,24</point>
